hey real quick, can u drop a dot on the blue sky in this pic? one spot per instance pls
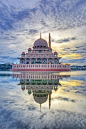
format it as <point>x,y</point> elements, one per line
<point>22,20</point>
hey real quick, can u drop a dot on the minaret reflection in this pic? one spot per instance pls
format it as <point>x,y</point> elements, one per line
<point>40,84</point>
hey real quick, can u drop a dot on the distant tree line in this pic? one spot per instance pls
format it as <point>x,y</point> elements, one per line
<point>78,67</point>
<point>5,67</point>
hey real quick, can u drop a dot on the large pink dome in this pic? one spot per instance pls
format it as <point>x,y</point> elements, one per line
<point>40,42</point>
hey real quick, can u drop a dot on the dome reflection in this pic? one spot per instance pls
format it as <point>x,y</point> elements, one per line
<point>40,85</point>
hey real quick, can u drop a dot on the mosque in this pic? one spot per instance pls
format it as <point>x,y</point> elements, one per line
<point>40,85</point>
<point>40,58</point>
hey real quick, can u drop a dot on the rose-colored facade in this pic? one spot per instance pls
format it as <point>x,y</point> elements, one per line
<point>40,58</point>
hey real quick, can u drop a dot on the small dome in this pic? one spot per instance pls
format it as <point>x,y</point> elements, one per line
<point>23,89</point>
<point>55,88</point>
<point>55,52</point>
<point>29,48</point>
<point>29,93</point>
<point>23,53</point>
<point>40,42</point>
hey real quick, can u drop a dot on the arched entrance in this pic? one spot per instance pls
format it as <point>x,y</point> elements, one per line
<point>27,61</point>
<point>44,61</point>
<point>22,61</point>
<point>50,61</point>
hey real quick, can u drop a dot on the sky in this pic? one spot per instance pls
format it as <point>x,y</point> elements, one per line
<point>22,20</point>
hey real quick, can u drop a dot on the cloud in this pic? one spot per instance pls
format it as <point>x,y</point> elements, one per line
<point>73,56</point>
<point>74,83</point>
<point>49,12</point>
<point>65,99</point>
<point>65,40</point>
<point>32,31</point>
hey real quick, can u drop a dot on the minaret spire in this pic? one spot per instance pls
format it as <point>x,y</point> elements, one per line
<point>40,34</point>
<point>49,41</point>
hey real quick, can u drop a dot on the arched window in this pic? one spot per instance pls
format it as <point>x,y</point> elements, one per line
<point>22,61</point>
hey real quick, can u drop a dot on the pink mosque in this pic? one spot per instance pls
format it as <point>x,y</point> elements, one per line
<point>40,58</point>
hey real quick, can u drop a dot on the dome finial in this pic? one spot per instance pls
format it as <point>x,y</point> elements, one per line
<point>40,34</point>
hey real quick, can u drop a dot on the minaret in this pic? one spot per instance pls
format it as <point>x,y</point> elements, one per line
<point>40,35</point>
<point>49,41</point>
<point>49,100</point>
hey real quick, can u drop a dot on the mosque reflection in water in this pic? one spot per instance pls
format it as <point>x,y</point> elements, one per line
<point>40,85</point>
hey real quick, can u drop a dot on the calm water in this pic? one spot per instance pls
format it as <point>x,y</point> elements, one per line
<point>43,100</point>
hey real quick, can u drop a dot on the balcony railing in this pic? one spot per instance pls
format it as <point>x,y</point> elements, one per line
<point>40,66</point>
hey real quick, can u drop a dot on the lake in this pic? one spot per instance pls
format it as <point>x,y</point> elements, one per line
<point>45,100</point>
